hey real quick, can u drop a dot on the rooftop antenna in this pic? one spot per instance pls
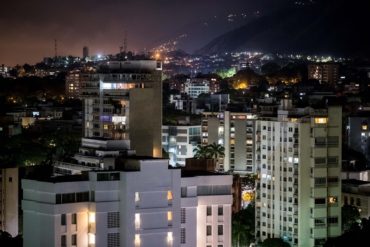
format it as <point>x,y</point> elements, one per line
<point>55,48</point>
<point>125,42</point>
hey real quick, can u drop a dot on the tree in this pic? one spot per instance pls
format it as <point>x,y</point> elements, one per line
<point>216,150</point>
<point>201,152</point>
<point>350,216</point>
<point>274,242</point>
<point>243,226</point>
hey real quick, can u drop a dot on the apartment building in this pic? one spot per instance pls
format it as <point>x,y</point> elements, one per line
<point>73,84</point>
<point>357,193</point>
<point>358,133</point>
<point>179,142</point>
<point>94,154</point>
<point>206,208</point>
<point>235,132</point>
<point>9,200</point>
<point>123,100</point>
<point>324,72</point>
<point>298,161</point>
<point>135,205</point>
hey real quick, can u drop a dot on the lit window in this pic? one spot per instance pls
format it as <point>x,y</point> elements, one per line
<point>169,195</point>
<point>105,126</point>
<point>364,127</point>
<point>91,217</point>
<point>137,197</point>
<point>249,142</point>
<point>169,216</point>
<point>91,238</point>
<point>137,221</point>
<point>321,120</point>
<point>333,199</point>
<point>137,240</point>
<point>169,237</point>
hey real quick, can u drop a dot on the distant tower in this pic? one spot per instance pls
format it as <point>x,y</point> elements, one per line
<point>85,52</point>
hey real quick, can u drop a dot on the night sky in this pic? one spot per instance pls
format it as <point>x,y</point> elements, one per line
<point>28,27</point>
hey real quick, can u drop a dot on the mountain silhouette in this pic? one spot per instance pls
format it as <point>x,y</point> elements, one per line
<point>328,27</point>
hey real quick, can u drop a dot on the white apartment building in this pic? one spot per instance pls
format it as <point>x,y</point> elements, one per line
<point>194,89</point>
<point>94,154</point>
<point>235,131</point>
<point>137,205</point>
<point>206,208</point>
<point>298,161</point>
<point>9,200</point>
<point>179,142</point>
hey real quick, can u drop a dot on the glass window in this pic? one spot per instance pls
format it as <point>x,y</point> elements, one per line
<point>63,241</point>
<point>74,239</point>
<point>209,210</point>
<point>220,230</point>
<point>220,210</point>
<point>63,221</point>
<point>74,219</point>
<point>209,230</point>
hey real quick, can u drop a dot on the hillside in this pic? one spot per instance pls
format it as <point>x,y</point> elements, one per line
<point>330,27</point>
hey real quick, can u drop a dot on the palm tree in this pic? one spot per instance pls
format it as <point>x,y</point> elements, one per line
<point>201,152</point>
<point>216,150</point>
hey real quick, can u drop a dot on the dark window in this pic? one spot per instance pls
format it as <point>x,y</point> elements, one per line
<point>209,230</point>
<point>332,220</point>
<point>68,198</point>
<point>220,230</point>
<point>320,201</point>
<point>74,239</point>
<point>74,219</point>
<point>10,179</point>
<point>58,198</point>
<point>82,196</point>
<point>63,241</point>
<point>220,210</point>
<point>209,210</point>
<point>63,220</point>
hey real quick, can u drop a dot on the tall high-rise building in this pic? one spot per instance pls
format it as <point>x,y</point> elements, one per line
<point>324,72</point>
<point>85,52</point>
<point>123,100</point>
<point>9,200</point>
<point>73,84</point>
<point>235,132</point>
<point>298,161</point>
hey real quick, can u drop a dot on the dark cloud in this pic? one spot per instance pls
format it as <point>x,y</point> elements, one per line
<point>28,28</point>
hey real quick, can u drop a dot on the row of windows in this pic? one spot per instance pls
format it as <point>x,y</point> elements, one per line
<point>63,240</point>
<point>220,230</point>
<point>72,197</point>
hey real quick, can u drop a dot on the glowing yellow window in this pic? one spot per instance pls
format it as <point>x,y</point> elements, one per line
<point>169,195</point>
<point>169,216</point>
<point>105,126</point>
<point>91,217</point>
<point>321,120</point>
<point>91,238</point>
<point>137,240</point>
<point>333,199</point>
<point>364,127</point>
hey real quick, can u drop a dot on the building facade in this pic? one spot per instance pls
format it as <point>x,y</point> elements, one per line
<point>135,206</point>
<point>298,162</point>
<point>324,72</point>
<point>206,208</point>
<point>179,142</point>
<point>123,100</point>
<point>73,84</point>
<point>235,132</point>
<point>358,135</point>
<point>9,200</point>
